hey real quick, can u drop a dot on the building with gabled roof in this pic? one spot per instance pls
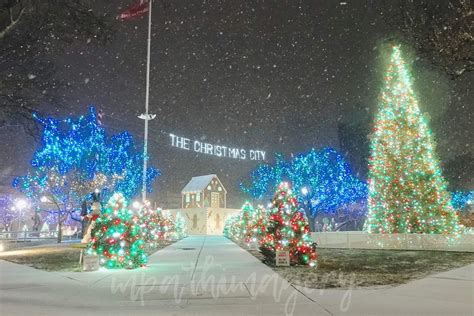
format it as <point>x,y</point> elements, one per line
<point>204,201</point>
<point>204,191</point>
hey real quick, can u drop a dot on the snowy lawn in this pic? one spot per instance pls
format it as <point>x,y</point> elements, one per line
<point>52,258</point>
<point>344,268</point>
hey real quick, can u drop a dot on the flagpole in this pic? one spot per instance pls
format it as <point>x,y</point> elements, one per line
<point>146,116</point>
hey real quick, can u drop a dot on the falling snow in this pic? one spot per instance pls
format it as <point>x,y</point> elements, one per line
<point>281,76</point>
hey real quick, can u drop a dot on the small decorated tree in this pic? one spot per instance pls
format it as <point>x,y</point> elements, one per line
<point>259,223</point>
<point>252,223</point>
<point>117,237</point>
<point>232,227</point>
<point>246,222</point>
<point>288,229</point>
<point>154,226</point>
<point>179,227</point>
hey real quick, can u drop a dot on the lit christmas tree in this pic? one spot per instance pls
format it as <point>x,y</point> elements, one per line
<point>288,229</point>
<point>179,227</point>
<point>249,225</point>
<point>246,221</point>
<point>253,223</point>
<point>258,224</point>
<point>232,227</point>
<point>407,193</point>
<point>156,227</point>
<point>117,237</point>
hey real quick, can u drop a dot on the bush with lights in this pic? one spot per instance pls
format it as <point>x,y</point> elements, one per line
<point>117,237</point>
<point>288,229</point>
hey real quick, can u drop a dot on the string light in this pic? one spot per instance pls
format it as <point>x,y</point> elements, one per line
<point>407,193</point>
<point>284,227</point>
<point>120,236</point>
<point>117,236</point>
<point>288,229</point>
<point>8,212</point>
<point>460,200</point>
<point>77,158</point>
<point>248,225</point>
<point>322,180</point>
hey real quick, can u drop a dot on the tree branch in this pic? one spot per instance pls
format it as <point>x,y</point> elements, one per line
<point>12,24</point>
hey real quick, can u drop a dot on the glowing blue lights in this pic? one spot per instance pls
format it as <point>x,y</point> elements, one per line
<point>77,157</point>
<point>460,199</point>
<point>322,180</point>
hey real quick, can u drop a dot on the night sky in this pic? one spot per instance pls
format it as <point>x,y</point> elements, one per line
<point>273,75</point>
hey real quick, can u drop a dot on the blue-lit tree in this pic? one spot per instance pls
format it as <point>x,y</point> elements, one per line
<point>460,200</point>
<point>76,158</point>
<point>322,181</point>
<point>7,212</point>
<point>265,178</point>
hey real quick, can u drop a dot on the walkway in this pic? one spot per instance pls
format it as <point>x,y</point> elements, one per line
<point>213,276</point>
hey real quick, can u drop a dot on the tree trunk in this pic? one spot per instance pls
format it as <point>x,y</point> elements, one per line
<point>311,220</point>
<point>60,230</point>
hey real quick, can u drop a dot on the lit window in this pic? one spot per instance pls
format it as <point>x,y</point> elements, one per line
<point>219,189</point>
<point>209,187</point>
<point>198,197</point>
<point>187,198</point>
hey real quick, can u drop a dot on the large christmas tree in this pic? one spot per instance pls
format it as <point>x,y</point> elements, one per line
<point>288,229</point>
<point>407,193</point>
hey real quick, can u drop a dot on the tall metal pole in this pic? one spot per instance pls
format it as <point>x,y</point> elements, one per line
<point>146,116</point>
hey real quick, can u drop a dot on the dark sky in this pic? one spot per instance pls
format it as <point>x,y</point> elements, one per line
<point>273,75</point>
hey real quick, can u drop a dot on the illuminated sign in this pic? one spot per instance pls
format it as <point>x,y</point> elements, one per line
<point>216,150</point>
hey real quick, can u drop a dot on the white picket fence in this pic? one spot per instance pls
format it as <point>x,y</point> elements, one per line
<point>363,240</point>
<point>33,235</point>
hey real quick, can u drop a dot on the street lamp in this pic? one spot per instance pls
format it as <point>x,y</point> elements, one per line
<point>44,199</point>
<point>136,205</point>
<point>20,204</point>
